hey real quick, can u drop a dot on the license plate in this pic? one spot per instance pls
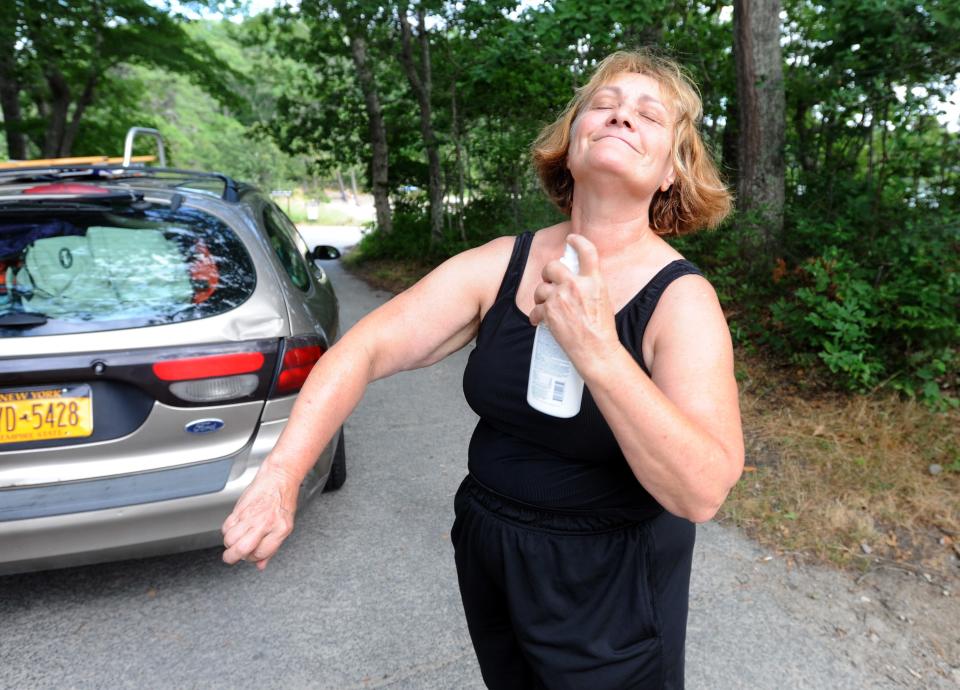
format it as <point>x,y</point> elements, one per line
<point>41,414</point>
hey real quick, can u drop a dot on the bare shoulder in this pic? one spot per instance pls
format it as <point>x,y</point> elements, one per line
<point>478,268</point>
<point>473,275</point>
<point>438,315</point>
<point>488,264</point>
<point>688,321</point>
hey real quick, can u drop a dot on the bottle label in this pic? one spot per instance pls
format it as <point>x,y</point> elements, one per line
<point>551,368</point>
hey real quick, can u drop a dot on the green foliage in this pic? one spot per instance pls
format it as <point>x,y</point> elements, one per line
<point>485,218</point>
<point>887,314</point>
<point>55,58</point>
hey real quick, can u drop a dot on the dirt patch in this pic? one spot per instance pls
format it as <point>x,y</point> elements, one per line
<point>389,274</point>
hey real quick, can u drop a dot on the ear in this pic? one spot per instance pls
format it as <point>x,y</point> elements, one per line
<point>668,180</point>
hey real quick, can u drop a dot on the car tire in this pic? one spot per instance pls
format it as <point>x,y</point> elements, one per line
<point>338,470</point>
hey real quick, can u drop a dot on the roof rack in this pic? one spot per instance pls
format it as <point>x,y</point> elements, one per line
<point>78,160</point>
<point>115,168</point>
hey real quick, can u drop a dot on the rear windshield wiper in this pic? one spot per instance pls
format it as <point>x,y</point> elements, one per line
<point>23,319</point>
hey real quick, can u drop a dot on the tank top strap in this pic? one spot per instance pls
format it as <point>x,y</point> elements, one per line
<point>518,261</point>
<point>636,315</point>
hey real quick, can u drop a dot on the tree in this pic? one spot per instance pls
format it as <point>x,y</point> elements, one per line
<point>55,55</point>
<point>421,81</point>
<point>338,33</point>
<point>760,95</point>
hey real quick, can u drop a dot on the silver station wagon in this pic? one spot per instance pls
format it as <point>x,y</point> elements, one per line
<point>155,328</point>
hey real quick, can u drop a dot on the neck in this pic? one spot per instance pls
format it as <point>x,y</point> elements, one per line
<point>611,221</point>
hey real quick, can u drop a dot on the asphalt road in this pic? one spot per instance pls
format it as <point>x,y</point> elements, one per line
<point>364,594</point>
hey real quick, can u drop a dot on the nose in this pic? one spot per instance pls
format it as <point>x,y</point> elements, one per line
<point>619,117</point>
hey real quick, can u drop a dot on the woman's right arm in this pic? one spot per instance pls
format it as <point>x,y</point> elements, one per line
<point>421,326</point>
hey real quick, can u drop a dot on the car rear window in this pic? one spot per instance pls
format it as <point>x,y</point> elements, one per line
<point>81,270</point>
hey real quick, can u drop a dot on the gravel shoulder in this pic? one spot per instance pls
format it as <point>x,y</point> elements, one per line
<point>759,621</point>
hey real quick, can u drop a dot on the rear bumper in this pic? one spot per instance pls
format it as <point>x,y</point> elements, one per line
<point>143,528</point>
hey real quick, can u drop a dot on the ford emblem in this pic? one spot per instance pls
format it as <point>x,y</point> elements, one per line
<point>204,426</point>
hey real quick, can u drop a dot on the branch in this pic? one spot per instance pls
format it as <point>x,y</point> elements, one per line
<point>424,38</point>
<point>406,53</point>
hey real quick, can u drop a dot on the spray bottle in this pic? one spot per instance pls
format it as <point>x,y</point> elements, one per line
<point>554,387</point>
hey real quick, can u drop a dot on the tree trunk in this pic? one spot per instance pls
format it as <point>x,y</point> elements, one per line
<point>378,132</point>
<point>10,103</point>
<point>761,98</point>
<point>57,122</point>
<point>729,138</point>
<point>422,85</point>
<point>86,98</point>
<point>353,186</point>
<point>11,84</point>
<point>12,119</point>
<point>343,192</point>
<point>455,132</point>
<point>808,160</point>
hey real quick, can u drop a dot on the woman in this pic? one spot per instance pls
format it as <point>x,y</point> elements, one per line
<point>573,537</point>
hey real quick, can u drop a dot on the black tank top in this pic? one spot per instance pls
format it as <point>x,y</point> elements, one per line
<point>564,464</point>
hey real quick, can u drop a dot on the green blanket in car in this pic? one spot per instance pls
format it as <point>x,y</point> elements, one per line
<point>108,271</point>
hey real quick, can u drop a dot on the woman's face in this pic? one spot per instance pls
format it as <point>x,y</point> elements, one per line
<point>626,130</point>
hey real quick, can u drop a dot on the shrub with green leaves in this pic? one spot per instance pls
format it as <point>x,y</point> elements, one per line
<point>879,313</point>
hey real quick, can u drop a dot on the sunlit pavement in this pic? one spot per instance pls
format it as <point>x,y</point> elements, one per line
<point>340,236</point>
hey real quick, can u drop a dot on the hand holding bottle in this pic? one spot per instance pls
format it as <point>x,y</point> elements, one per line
<point>576,307</point>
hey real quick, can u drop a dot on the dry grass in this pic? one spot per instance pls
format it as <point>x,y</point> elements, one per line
<point>846,478</point>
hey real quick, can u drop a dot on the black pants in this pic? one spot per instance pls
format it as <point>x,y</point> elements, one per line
<point>561,600</point>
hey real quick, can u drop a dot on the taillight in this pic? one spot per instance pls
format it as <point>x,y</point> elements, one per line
<point>211,365</point>
<point>299,355</point>
<point>212,378</point>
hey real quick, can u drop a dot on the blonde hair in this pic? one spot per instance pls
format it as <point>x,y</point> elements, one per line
<point>698,197</point>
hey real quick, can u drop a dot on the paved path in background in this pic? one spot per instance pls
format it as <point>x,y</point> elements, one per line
<point>340,236</point>
<point>364,594</point>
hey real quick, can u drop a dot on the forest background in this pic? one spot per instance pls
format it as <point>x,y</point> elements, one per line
<point>838,271</point>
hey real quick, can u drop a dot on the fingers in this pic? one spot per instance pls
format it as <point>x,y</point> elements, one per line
<point>555,272</point>
<point>233,536</point>
<point>231,521</point>
<point>253,545</point>
<point>267,548</point>
<point>255,532</point>
<point>240,542</point>
<point>543,292</point>
<point>587,251</point>
<point>536,315</point>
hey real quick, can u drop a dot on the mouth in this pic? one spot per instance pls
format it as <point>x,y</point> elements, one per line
<point>614,136</point>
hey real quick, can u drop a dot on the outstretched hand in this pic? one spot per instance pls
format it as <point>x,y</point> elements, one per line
<point>261,520</point>
<point>577,308</point>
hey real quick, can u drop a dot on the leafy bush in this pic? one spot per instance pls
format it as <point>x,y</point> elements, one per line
<point>870,305</point>
<point>484,219</point>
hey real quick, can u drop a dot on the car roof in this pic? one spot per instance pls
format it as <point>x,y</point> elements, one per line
<point>19,176</point>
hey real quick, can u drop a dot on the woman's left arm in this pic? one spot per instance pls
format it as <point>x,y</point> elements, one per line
<point>679,428</point>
